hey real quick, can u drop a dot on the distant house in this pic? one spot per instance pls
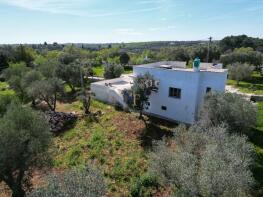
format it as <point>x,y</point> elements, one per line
<point>180,90</point>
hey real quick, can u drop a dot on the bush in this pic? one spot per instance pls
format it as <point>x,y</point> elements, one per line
<point>76,182</point>
<point>239,72</point>
<point>145,181</point>
<point>113,71</point>
<point>205,162</point>
<point>231,109</point>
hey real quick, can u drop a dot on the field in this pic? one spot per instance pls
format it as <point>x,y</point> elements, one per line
<point>257,139</point>
<point>99,71</point>
<point>116,142</point>
<point>253,85</point>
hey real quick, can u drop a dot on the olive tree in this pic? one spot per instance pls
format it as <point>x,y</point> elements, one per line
<point>142,88</point>
<point>124,58</point>
<point>75,182</point>
<point>205,162</point>
<point>70,73</point>
<point>14,76</point>
<point>24,137</point>
<point>239,71</point>
<point>231,109</point>
<point>29,79</point>
<point>113,71</point>
<point>47,91</point>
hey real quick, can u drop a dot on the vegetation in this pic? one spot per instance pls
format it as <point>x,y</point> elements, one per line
<point>76,182</point>
<point>113,71</point>
<point>243,55</point>
<point>47,91</point>
<point>25,136</point>
<point>142,88</point>
<point>253,85</point>
<point>117,142</point>
<point>230,109</point>
<point>205,162</point>
<point>239,72</point>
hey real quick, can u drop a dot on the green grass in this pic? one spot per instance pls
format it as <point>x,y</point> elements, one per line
<point>257,139</point>
<point>5,90</point>
<point>121,158</point>
<point>253,85</point>
<point>98,71</point>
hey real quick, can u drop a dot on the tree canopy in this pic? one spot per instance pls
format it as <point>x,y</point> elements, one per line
<point>205,162</point>
<point>24,134</point>
<point>230,109</point>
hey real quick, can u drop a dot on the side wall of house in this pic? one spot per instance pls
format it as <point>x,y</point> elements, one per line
<point>179,109</point>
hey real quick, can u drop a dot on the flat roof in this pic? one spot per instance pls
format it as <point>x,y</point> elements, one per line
<point>181,66</point>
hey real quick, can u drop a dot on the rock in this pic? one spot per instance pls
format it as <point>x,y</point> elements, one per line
<point>59,121</point>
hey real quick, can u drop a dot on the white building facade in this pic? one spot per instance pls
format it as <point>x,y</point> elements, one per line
<point>180,90</point>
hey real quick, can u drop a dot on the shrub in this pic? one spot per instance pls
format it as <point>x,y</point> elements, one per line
<point>231,109</point>
<point>139,187</point>
<point>76,182</point>
<point>113,71</point>
<point>205,162</point>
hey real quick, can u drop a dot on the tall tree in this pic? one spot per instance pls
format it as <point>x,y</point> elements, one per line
<point>24,137</point>
<point>70,73</point>
<point>124,58</point>
<point>47,91</point>
<point>14,76</point>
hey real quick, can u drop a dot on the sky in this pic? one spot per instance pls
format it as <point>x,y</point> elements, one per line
<point>108,21</point>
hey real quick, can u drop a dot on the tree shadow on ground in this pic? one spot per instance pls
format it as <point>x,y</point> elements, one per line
<point>156,129</point>
<point>69,97</point>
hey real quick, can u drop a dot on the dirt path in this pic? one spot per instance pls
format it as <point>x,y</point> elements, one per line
<point>232,89</point>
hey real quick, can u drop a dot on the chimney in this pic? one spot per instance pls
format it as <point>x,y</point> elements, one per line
<point>196,64</point>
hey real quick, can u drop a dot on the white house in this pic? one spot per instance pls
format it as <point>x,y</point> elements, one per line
<point>180,90</point>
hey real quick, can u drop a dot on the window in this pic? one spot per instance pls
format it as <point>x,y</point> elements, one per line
<point>175,92</point>
<point>164,108</point>
<point>208,89</point>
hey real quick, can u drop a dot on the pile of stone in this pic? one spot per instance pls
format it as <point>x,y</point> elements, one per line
<point>59,121</point>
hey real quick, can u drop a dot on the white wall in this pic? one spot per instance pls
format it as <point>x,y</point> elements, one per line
<point>193,88</point>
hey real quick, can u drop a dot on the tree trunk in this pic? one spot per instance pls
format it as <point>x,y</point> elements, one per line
<point>17,190</point>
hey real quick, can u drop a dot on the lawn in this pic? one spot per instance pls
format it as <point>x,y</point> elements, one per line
<point>257,139</point>
<point>253,85</point>
<point>4,89</point>
<point>99,71</point>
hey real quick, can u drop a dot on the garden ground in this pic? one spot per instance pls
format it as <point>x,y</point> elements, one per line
<point>251,86</point>
<point>117,143</point>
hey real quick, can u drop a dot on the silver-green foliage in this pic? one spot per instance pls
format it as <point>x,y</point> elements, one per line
<point>75,182</point>
<point>231,109</point>
<point>205,162</point>
<point>239,71</point>
<point>113,71</point>
<point>24,137</point>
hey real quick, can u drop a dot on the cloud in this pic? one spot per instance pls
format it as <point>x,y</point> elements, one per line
<point>75,7</point>
<point>52,6</point>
